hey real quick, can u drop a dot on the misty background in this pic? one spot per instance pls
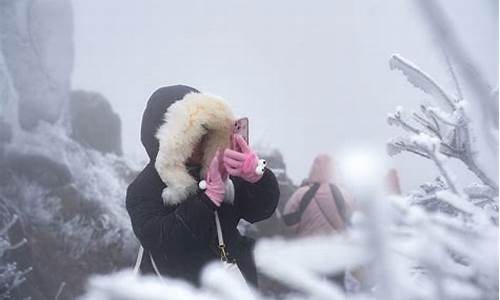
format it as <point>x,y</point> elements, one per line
<point>311,76</point>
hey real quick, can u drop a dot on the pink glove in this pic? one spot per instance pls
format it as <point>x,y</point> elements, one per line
<point>214,184</point>
<point>243,162</point>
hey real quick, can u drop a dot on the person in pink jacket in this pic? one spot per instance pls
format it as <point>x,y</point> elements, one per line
<point>323,214</point>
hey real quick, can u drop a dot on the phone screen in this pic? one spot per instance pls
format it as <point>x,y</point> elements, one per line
<point>241,128</point>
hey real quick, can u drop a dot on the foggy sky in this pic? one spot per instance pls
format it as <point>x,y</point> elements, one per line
<point>312,76</point>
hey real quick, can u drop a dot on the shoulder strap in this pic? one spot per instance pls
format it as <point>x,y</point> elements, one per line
<point>138,261</point>
<point>339,202</point>
<point>222,247</point>
<point>294,217</point>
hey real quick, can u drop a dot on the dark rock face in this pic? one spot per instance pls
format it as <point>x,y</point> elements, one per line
<point>5,132</point>
<point>44,171</point>
<point>5,135</point>
<point>94,123</point>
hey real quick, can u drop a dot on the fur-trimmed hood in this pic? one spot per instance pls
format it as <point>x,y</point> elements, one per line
<point>154,115</point>
<point>183,125</point>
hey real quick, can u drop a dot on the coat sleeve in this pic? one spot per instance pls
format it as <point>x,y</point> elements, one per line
<point>170,229</point>
<point>256,201</point>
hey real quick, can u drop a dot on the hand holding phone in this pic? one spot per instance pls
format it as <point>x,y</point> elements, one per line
<point>243,161</point>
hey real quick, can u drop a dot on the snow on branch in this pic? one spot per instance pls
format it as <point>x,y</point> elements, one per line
<point>458,226</point>
<point>449,129</point>
<point>10,276</point>
<point>420,79</point>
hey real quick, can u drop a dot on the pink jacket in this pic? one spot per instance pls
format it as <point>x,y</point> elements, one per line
<point>321,216</point>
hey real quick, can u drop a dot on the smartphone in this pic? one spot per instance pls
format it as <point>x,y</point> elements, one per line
<point>241,128</point>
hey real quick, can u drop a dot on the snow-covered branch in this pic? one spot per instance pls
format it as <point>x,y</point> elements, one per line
<point>454,218</point>
<point>421,80</point>
<point>10,276</point>
<point>450,128</point>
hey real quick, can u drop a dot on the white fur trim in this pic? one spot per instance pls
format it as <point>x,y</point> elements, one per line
<point>186,122</point>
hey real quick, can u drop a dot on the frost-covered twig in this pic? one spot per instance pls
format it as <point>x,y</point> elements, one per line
<point>420,80</point>
<point>452,221</point>
<point>448,39</point>
<point>60,290</point>
<point>453,76</point>
<point>451,128</point>
<point>397,120</point>
<point>10,276</point>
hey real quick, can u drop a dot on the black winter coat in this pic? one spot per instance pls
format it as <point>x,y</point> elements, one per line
<point>183,238</point>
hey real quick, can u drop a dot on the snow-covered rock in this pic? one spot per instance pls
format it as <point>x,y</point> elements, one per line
<point>36,39</point>
<point>70,201</point>
<point>68,191</point>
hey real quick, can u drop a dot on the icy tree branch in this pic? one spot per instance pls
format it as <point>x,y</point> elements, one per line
<point>451,127</point>
<point>10,276</point>
<point>448,39</point>
<point>421,80</point>
<point>454,218</point>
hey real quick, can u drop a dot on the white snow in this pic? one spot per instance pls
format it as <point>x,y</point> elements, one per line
<point>420,80</point>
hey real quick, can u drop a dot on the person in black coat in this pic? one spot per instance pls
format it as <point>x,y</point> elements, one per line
<point>173,218</point>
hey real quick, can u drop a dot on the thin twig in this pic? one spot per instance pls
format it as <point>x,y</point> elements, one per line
<point>443,171</point>
<point>59,291</point>
<point>453,76</point>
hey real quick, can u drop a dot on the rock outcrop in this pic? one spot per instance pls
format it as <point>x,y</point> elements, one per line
<point>94,123</point>
<point>68,199</point>
<point>37,44</point>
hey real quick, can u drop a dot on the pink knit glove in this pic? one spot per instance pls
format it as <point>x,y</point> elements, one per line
<point>243,162</point>
<point>214,184</point>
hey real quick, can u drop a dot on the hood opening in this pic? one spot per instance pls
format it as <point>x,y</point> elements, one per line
<point>154,114</point>
<point>186,122</point>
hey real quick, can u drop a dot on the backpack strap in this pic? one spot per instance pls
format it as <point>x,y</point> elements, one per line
<point>339,202</point>
<point>294,217</point>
